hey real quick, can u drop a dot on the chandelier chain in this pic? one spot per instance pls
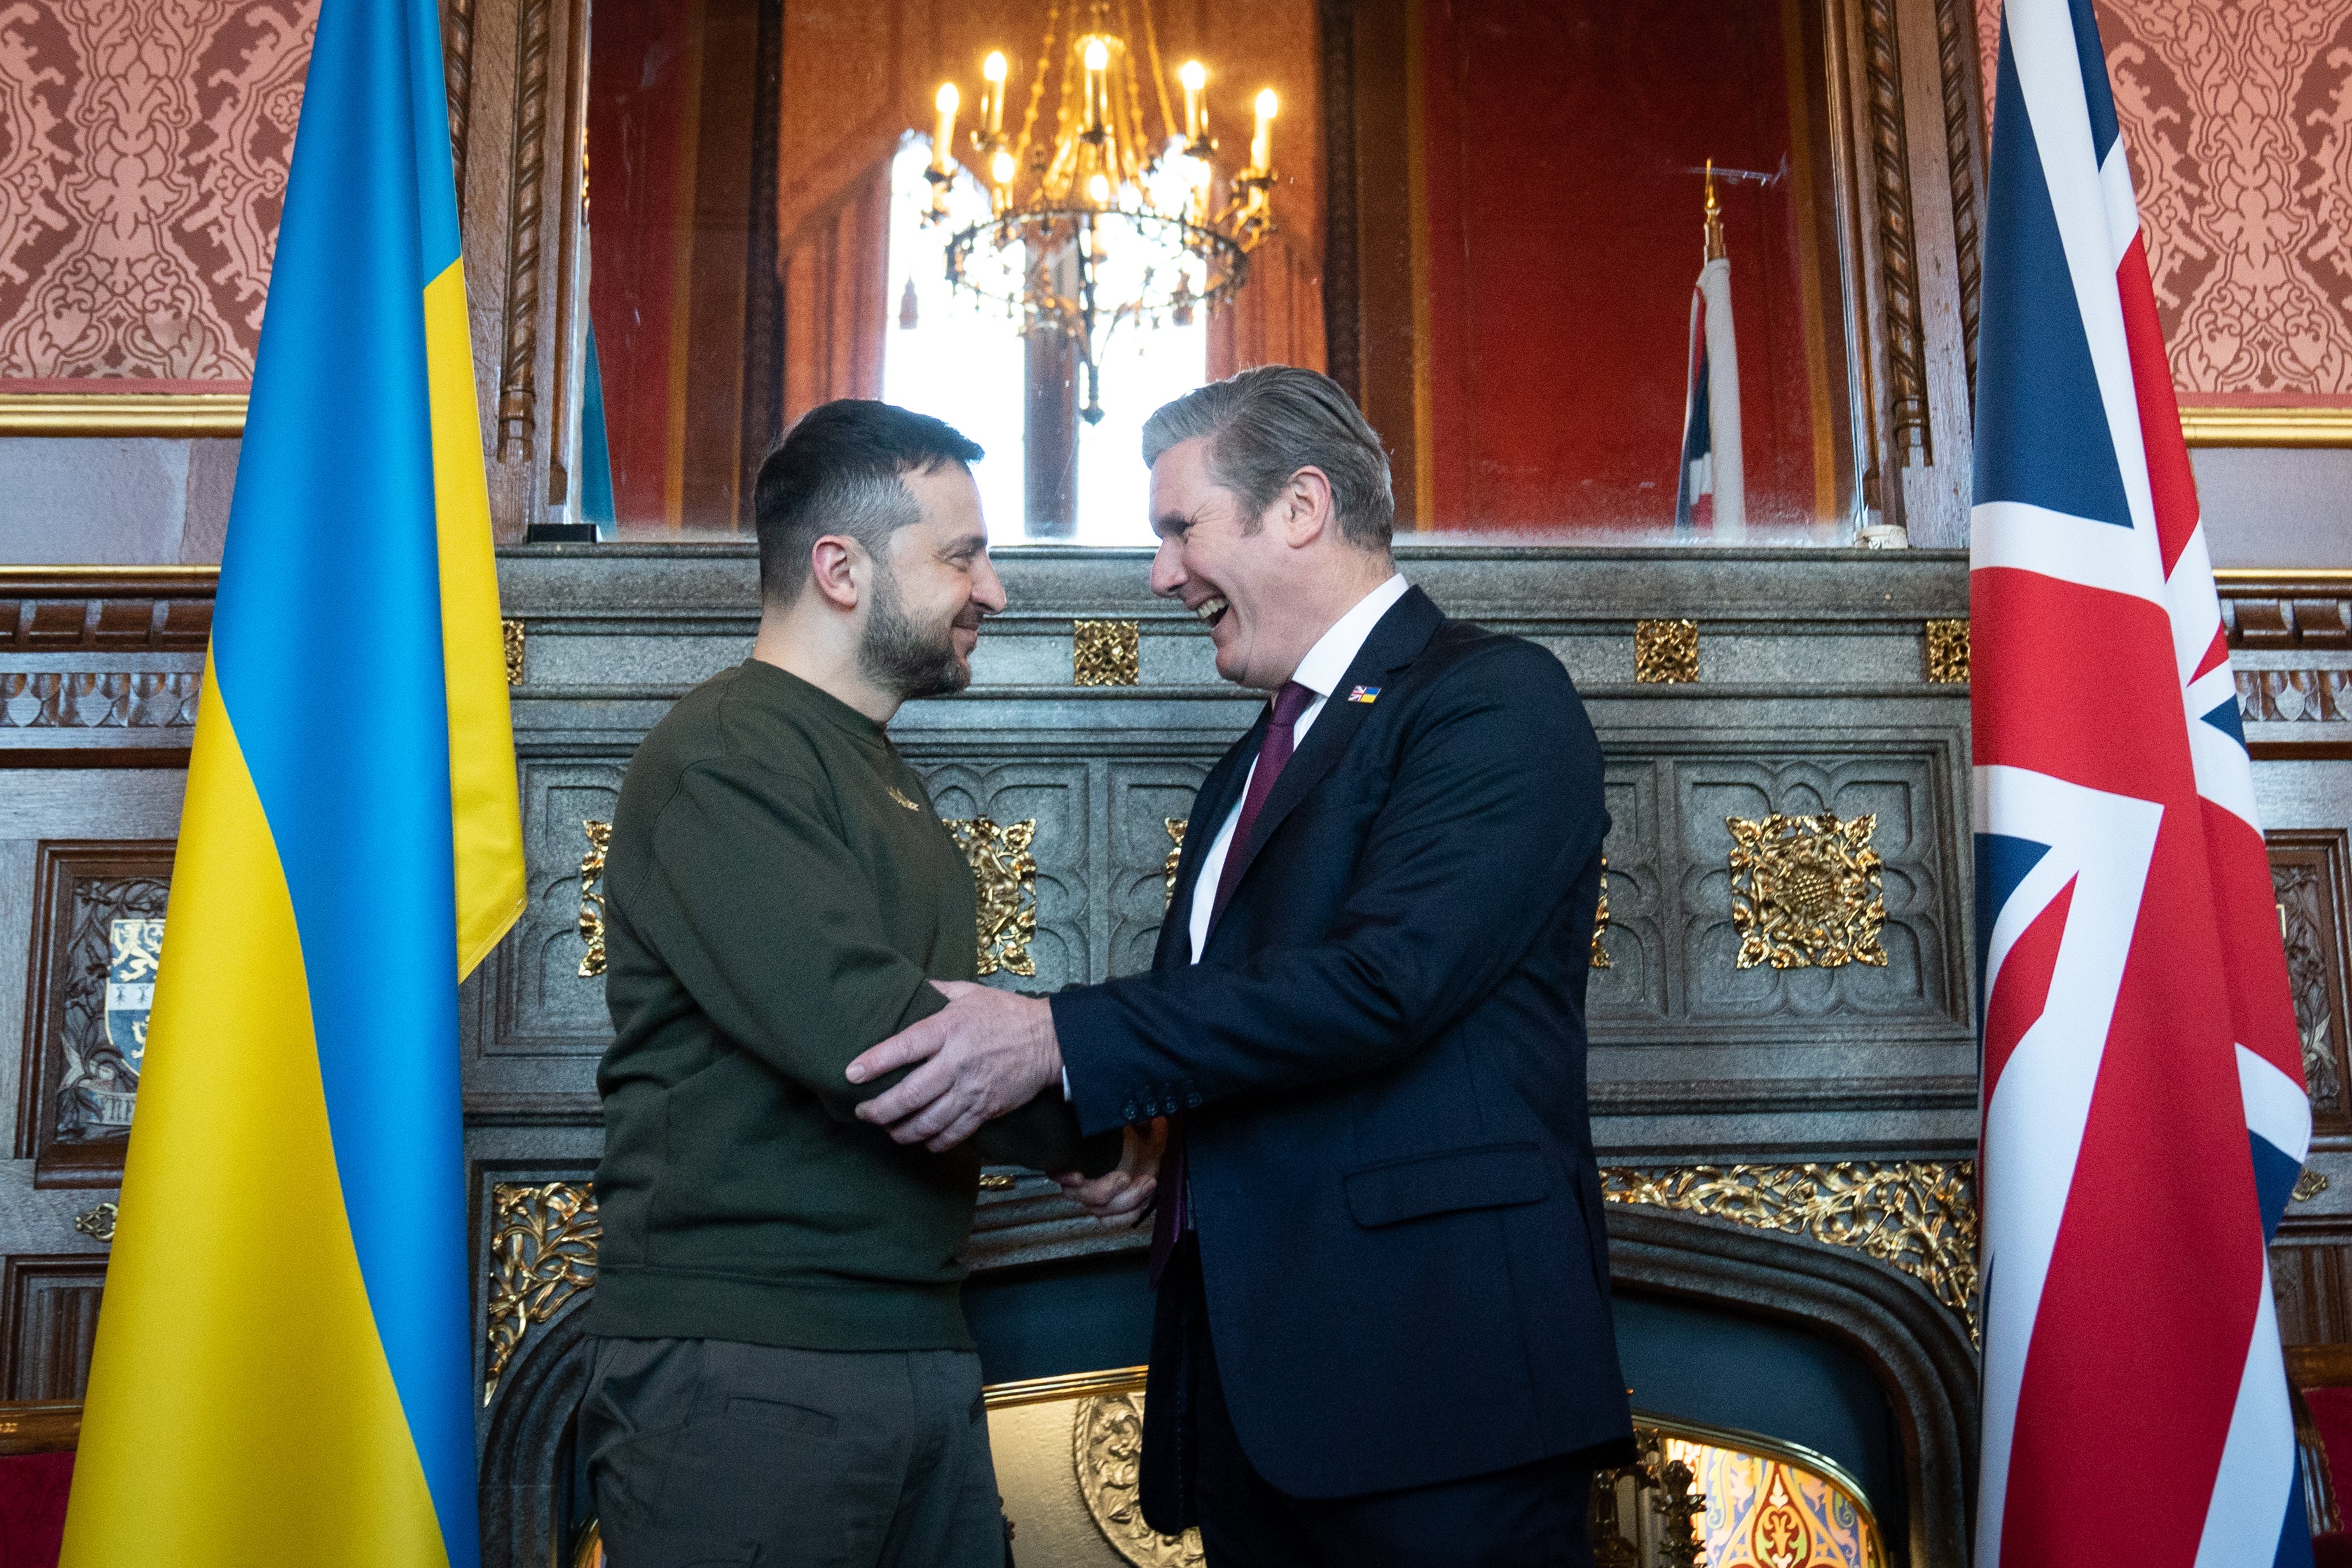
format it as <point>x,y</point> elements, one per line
<point>1037,88</point>
<point>1158,69</point>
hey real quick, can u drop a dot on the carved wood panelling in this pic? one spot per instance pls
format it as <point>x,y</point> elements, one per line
<point>48,1320</point>
<point>457,65</point>
<point>518,361</point>
<point>1898,261</point>
<point>54,610</point>
<point>80,1071</point>
<point>2309,871</point>
<point>2312,1282</point>
<point>2287,613</point>
<point>1956,67</point>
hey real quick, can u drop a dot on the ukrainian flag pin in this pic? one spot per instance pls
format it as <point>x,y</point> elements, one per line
<point>1364,694</point>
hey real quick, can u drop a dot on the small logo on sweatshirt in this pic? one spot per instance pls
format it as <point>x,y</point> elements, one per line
<point>898,795</point>
<point>1364,694</point>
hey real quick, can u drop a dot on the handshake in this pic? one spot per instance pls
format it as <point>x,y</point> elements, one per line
<point>985,1053</point>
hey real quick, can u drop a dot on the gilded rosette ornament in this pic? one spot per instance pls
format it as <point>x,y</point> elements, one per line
<point>1105,653</point>
<point>1915,1215</point>
<point>543,1252</point>
<point>1005,873</point>
<point>1806,892</point>
<point>1107,1449</point>
<point>1175,858</point>
<point>591,897</point>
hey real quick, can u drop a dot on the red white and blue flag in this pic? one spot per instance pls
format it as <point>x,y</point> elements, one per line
<point>2145,1117</point>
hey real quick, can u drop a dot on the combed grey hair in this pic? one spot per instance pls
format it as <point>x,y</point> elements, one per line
<point>1265,425</point>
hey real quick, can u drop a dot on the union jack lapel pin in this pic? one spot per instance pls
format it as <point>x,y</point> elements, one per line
<point>1364,694</point>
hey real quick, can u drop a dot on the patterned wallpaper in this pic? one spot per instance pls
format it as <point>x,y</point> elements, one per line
<point>144,151</point>
<point>2237,116</point>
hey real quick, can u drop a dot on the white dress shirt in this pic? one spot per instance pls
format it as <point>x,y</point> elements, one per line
<point>1321,670</point>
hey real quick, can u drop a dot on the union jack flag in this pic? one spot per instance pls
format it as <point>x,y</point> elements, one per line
<point>2143,1111</point>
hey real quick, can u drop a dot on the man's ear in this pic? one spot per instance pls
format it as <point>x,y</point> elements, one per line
<point>1306,507</point>
<point>835,563</point>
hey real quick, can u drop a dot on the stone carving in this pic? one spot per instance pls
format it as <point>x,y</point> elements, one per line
<point>1007,873</point>
<point>93,699</point>
<point>1805,891</point>
<point>1948,653</point>
<point>144,149</point>
<point>2237,124</point>
<point>1665,651</point>
<point>2305,920</point>
<point>1107,1449</point>
<point>1915,1216</point>
<point>543,1252</point>
<point>2295,696</point>
<point>519,368</point>
<point>1105,653</point>
<point>513,633</point>
<point>591,897</point>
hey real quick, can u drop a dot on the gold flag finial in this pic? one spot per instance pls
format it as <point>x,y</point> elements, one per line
<point>1715,247</point>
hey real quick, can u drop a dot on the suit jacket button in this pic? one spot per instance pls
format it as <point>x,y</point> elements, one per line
<point>1193,1101</point>
<point>1127,1111</point>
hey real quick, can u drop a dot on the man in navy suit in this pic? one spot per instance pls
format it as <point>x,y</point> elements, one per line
<point>1382,1332</point>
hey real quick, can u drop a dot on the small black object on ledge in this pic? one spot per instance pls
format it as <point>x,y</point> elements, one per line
<point>560,533</point>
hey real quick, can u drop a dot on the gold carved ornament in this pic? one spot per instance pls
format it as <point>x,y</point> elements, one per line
<point>1105,653</point>
<point>513,632</point>
<point>543,1252</point>
<point>1601,921</point>
<point>1948,653</point>
<point>1806,892</point>
<point>591,897</point>
<point>1175,858</point>
<point>1666,652</point>
<point>97,1224</point>
<point>1917,1216</point>
<point>1107,1449</point>
<point>1005,873</point>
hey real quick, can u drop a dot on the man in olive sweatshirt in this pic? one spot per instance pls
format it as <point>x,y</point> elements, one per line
<point>782,1371</point>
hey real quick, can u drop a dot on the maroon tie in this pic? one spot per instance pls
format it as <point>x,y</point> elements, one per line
<point>1272,755</point>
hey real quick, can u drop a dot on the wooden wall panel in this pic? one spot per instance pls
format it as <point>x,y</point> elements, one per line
<point>48,1318</point>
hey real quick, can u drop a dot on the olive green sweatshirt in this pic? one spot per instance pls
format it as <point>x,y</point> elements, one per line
<point>778,894</point>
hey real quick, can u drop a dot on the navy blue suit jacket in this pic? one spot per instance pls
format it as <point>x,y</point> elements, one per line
<point>1380,1061</point>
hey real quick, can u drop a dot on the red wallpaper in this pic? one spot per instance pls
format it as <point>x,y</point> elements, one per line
<point>143,152</point>
<point>1564,239</point>
<point>2238,122</point>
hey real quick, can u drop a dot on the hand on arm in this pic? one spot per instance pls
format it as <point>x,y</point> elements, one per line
<point>985,1053</point>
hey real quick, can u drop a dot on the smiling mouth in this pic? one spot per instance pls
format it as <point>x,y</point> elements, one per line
<point>1210,611</point>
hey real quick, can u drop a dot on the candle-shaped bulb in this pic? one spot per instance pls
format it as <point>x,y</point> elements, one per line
<point>1262,145</point>
<point>993,70</point>
<point>948,101</point>
<point>1194,76</point>
<point>1097,58</point>
<point>1099,188</point>
<point>1001,167</point>
<point>1097,54</point>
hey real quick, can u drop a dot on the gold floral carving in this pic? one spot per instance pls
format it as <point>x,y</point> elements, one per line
<point>543,1252</point>
<point>1601,921</point>
<point>2308,1187</point>
<point>1665,651</point>
<point>1806,892</point>
<point>591,897</point>
<point>1175,858</point>
<point>1105,653</point>
<point>1947,652</point>
<point>97,1224</point>
<point>1006,874</point>
<point>1107,1449</point>
<point>513,633</point>
<point>1915,1216</point>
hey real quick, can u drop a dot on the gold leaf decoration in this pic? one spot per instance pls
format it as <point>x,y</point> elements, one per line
<point>1107,1449</point>
<point>591,897</point>
<point>513,631</point>
<point>543,1252</point>
<point>1175,858</point>
<point>1006,875</point>
<point>1948,653</point>
<point>1665,651</point>
<point>1601,921</point>
<point>1915,1216</point>
<point>1105,653</point>
<point>1806,892</point>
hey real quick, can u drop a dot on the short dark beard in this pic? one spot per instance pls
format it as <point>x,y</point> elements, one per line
<point>900,657</point>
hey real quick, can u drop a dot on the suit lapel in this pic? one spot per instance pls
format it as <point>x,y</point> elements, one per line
<point>1397,640</point>
<point>1210,807</point>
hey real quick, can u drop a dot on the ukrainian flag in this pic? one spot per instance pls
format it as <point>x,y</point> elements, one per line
<point>283,1352</point>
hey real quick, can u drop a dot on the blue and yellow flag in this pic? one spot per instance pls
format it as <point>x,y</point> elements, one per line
<point>283,1355</point>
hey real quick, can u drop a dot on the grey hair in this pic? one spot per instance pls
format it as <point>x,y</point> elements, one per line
<point>1266,424</point>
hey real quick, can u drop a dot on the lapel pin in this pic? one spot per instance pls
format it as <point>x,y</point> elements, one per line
<point>1364,694</point>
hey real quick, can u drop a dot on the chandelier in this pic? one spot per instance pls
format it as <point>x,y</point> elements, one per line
<point>1096,226</point>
